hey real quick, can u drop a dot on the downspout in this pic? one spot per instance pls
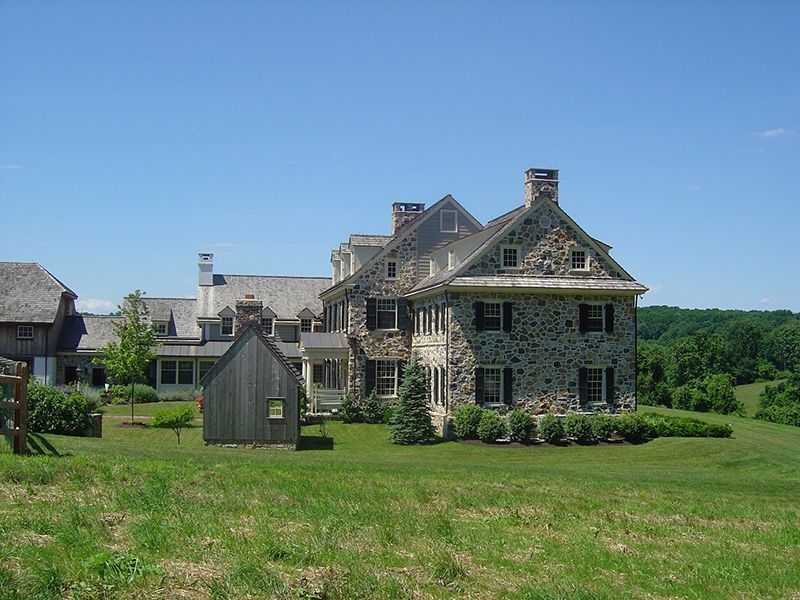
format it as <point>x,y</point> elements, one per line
<point>636,352</point>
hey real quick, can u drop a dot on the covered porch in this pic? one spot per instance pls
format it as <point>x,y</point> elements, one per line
<point>325,369</point>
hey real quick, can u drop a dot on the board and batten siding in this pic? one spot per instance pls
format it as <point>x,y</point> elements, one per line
<point>430,237</point>
<point>236,409</point>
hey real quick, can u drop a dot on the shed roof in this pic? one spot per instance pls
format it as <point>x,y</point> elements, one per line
<point>29,293</point>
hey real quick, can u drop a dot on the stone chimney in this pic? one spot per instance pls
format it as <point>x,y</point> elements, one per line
<point>205,266</point>
<point>541,183</point>
<point>247,310</point>
<point>405,212</point>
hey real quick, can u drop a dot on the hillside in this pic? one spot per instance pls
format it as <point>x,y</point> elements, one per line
<point>132,515</point>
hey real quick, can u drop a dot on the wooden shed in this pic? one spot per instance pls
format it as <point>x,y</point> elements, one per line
<point>251,395</point>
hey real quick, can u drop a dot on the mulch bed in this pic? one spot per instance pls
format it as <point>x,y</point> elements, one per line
<point>129,424</point>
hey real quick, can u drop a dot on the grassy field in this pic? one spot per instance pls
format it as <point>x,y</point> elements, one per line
<point>748,394</point>
<point>350,516</point>
<point>143,410</point>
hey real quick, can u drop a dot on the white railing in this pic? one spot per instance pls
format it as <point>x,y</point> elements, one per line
<point>327,400</point>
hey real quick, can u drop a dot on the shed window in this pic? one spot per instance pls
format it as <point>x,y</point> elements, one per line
<point>24,332</point>
<point>226,327</point>
<point>276,408</point>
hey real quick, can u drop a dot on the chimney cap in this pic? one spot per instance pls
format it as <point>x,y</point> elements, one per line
<point>408,207</point>
<point>540,173</point>
<point>205,257</point>
<point>249,297</point>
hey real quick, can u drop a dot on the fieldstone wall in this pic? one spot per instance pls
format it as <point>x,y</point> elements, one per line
<point>372,283</point>
<point>544,239</point>
<point>545,349</point>
<point>432,350</point>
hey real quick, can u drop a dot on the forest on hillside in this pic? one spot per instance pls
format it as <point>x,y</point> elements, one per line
<point>692,358</point>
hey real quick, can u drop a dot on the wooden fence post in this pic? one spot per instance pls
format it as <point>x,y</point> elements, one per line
<point>21,413</point>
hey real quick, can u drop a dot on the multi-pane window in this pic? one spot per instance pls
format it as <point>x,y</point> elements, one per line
<point>306,325</point>
<point>266,324</point>
<point>276,408</point>
<point>449,221</point>
<point>161,328</point>
<point>594,317</point>
<point>25,332</point>
<point>387,313</point>
<point>578,259</point>
<point>226,326</point>
<point>169,371</point>
<point>436,319</point>
<point>186,372</point>
<point>510,257</point>
<point>492,316</point>
<point>386,377</point>
<point>594,385</point>
<point>391,269</point>
<point>203,367</point>
<point>492,385</point>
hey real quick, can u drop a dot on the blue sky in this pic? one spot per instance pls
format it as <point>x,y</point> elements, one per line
<point>134,135</point>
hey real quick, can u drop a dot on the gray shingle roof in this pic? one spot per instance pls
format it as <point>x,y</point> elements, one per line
<point>321,340</point>
<point>364,239</point>
<point>285,296</point>
<point>87,333</point>
<point>179,313</point>
<point>551,283</point>
<point>29,293</point>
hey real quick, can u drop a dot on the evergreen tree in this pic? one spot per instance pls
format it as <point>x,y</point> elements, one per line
<point>411,422</point>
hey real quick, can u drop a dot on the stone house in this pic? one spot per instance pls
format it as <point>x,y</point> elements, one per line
<point>528,310</point>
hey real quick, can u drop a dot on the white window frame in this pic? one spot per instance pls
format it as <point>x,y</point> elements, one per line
<point>306,325</point>
<point>503,257</point>
<point>178,371</point>
<point>396,265</point>
<point>378,312</point>
<point>201,371</point>
<point>572,253</point>
<point>498,316</point>
<point>451,260</point>
<point>222,325</point>
<point>594,307</point>
<point>24,332</point>
<point>455,221</point>
<point>499,381</point>
<point>378,378</point>
<point>161,328</point>
<point>268,330</point>
<point>173,370</point>
<point>275,402</point>
<point>601,381</point>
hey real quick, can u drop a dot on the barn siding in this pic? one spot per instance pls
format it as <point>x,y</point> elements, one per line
<point>429,238</point>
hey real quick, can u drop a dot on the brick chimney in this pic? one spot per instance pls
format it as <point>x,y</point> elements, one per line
<point>541,183</point>
<point>205,267</point>
<point>247,310</point>
<point>405,212</point>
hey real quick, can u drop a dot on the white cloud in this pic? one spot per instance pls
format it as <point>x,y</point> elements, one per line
<point>9,167</point>
<point>95,305</point>
<point>655,288</point>
<point>773,133</point>
<point>765,301</point>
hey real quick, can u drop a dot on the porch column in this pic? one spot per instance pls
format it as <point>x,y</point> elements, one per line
<point>308,373</point>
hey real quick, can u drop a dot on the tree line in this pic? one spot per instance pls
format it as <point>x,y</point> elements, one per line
<point>692,358</point>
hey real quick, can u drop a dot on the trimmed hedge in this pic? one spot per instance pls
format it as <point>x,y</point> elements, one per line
<point>491,427</point>
<point>121,394</point>
<point>578,427</point>
<point>521,426</point>
<point>550,429</point>
<point>603,427</point>
<point>466,420</point>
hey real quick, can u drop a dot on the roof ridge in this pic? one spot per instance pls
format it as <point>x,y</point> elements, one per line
<point>169,298</point>
<point>274,276</point>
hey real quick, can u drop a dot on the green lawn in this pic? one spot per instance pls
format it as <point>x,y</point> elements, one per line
<point>748,394</point>
<point>132,515</point>
<point>143,410</point>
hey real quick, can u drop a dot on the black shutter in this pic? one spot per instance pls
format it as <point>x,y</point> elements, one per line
<point>372,314</point>
<point>402,314</point>
<point>507,315</point>
<point>609,318</point>
<point>479,385</point>
<point>583,384</point>
<point>609,384</point>
<point>478,316</point>
<point>508,385</point>
<point>583,318</point>
<point>369,377</point>
<point>401,372</point>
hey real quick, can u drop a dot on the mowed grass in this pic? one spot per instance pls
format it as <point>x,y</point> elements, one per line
<point>135,515</point>
<point>748,394</point>
<point>147,409</point>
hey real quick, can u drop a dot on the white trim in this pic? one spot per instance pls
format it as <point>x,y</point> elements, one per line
<point>377,319</point>
<point>222,325</point>
<point>270,400</point>
<point>396,268</point>
<point>26,328</point>
<point>441,220</point>
<point>587,258</point>
<point>503,249</point>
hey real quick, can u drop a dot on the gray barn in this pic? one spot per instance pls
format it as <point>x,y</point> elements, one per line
<point>251,394</point>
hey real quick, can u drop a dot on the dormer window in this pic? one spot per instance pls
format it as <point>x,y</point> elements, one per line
<point>448,221</point>
<point>391,269</point>
<point>24,332</point>
<point>578,260</point>
<point>266,324</point>
<point>226,326</point>
<point>306,325</point>
<point>510,257</point>
<point>161,328</point>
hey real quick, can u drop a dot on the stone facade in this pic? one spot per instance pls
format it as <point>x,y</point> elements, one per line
<point>433,348</point>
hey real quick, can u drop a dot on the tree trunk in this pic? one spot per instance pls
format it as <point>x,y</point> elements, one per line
<point>132,384</point>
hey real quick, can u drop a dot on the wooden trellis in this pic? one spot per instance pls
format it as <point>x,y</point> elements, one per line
<point>17,425</point>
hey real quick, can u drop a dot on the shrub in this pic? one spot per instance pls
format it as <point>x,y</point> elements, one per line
<point>351,410</point>
<point>550,429</point>
<point>51,410</point>
<point>674,426</point>
<point>185,395</point>
<point>520,426</point>
<point>603,427</point>
<point>411,421</point>
<point>578,427</point>
<point>766,371</point>
<point>688,397</point>
<point>721,397</point>
<point>120,394</point>
<point>173,418</point>
<point>466,419</point>
<point>633,427</point>
<point>372,409</point>
<point>492,427</point>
